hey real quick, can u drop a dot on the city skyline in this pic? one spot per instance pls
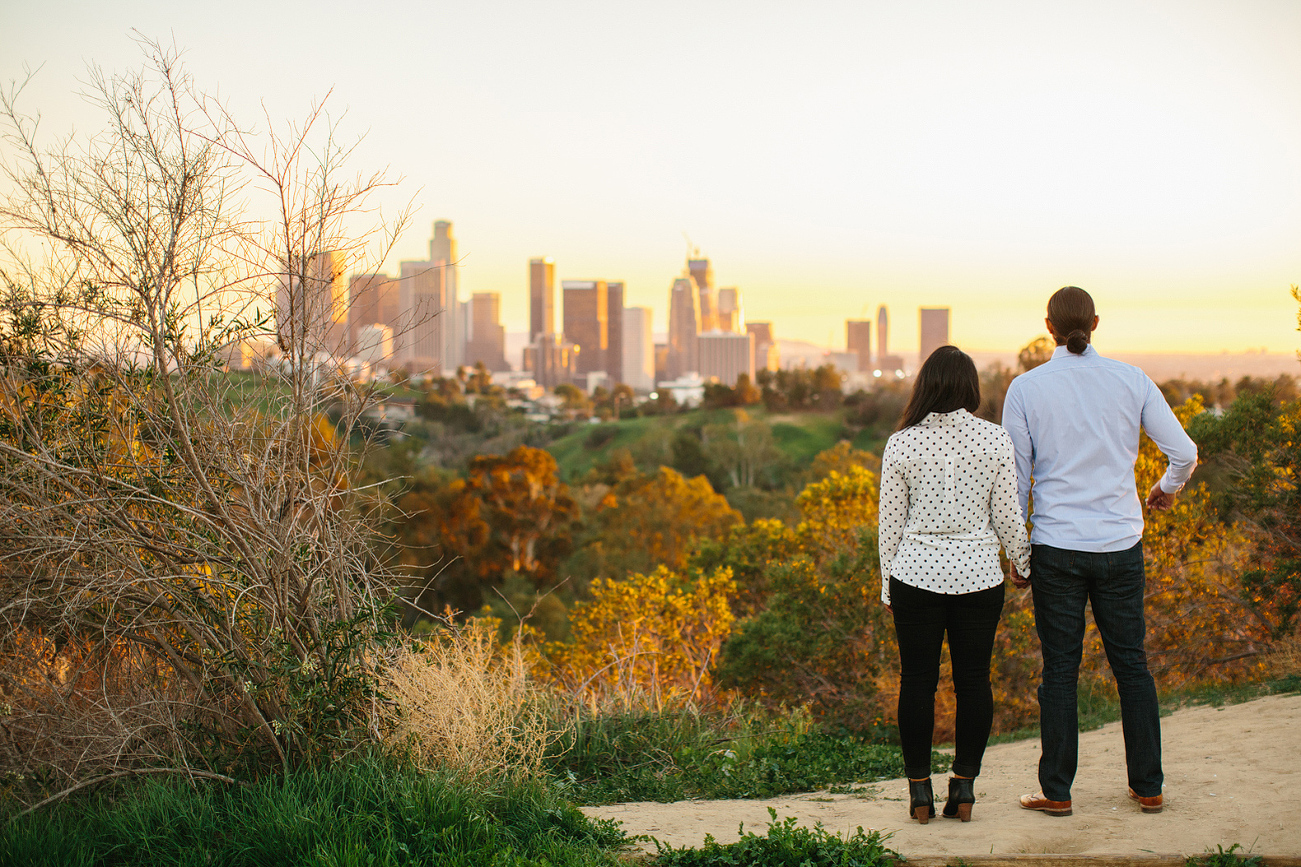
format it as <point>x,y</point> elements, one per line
<point>841,156</point>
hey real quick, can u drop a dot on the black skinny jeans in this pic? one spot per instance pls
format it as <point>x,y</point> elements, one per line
<point>921,619</point>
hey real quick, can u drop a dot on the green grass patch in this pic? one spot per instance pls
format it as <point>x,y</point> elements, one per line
<point>785,845</point>
<point>672,756</point>
<point>366,812</point>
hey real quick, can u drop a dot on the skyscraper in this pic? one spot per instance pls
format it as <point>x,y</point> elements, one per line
<point>542,297</point>
<point>312,306</point>
<point>702,276</point>
<point>885,362</point>
<point>684,327</point>
<point>858,338</point>
<point>587,322</point>
<point>638,349</point>
<point>418,341</point>
<point>487,340</point>
<point>934,326</point>
<point>731,314</point>
<point>442,250</point>
<point>766,354</point>
<point>372,300</point>
<point>724,356</point>
<point>614,328</point>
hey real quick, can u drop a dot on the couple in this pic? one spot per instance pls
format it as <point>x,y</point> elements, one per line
<point>953,487</point>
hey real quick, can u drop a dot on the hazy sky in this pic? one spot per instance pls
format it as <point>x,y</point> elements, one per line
<point>828,157</point>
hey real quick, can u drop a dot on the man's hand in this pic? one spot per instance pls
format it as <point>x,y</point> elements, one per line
<point>1159,499</point>
<point>1017,580</point>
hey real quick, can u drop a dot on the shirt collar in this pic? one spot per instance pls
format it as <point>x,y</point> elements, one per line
<point>1062,352</point>
<point>942,419</point>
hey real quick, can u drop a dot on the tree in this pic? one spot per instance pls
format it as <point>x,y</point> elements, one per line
<point>655,519</point>
<point>743,450</point>
<point>645,642</point>
<point>202,550</point>
<point>510,516</point>
<point>1034,353</point>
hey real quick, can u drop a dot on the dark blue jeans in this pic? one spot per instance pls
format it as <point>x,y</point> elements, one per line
<point>921,620</point>
<point>1113,584</point>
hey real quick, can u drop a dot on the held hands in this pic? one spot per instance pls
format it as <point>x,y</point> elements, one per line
<point>1017,580</point>
<point>1159,499</point>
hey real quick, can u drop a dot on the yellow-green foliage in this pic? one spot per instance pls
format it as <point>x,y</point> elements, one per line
<point>649,640</point>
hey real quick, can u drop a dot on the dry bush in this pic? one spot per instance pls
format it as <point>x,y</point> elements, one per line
<point>462,701</point>
<point>1284,659</point>
<point>193,542</point>
<point>67,712</point>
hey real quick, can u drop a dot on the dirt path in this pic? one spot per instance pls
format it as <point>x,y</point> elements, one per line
<point>1233,775</point>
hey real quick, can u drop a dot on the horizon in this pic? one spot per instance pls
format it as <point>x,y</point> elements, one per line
<point>827,160</point>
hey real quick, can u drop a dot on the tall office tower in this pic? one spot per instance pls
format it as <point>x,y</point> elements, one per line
<point>858,338</point>
<point>885,362</point>
<point>934,326</point>
<point>702,275</point>
<point>372,300</point>
<point>487,341</point>
<point>724,356</point>
<point>684,327</point>
<point>418,339</point>
<point>442,249</point>
<point>766,354</point>
<point>731,315</point>
<point>312,307</point>
<point>638,349</point>
<point>587,321</point>
<point>542,297</point>
<point>614,328</point>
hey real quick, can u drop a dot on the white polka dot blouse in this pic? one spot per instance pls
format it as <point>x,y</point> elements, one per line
<point>948,499</point>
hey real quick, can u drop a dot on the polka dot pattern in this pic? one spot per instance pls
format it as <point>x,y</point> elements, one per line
<point>948,500</point>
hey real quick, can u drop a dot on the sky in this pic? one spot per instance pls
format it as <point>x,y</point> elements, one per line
<point>828,157</point>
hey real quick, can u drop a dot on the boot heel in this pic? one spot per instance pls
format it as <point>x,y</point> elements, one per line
<point>962,795</point>
<point>964,812</point>
<point>921,800</point>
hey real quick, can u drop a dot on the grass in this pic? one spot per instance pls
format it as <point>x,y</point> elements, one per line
<point>369,812</point>
<point>785,845</point>
<point>672,756</point>
<point>800,436</point>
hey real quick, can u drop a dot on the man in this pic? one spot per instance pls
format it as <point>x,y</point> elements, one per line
<point>1075,423</point>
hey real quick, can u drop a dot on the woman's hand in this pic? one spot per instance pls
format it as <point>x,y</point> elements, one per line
<point>1017,580</point>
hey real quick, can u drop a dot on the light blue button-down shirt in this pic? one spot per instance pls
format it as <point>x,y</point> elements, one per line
<point>1074,423</point>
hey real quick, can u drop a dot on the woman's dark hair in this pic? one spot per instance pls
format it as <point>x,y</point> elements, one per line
<point>1071,312</point>
<point>947,381</point>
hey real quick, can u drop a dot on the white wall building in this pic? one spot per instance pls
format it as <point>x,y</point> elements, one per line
<point>638,349</point>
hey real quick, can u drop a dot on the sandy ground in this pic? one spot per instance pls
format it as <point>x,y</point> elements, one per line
<point>1233,775</point>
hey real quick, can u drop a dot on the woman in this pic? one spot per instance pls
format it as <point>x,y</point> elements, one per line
<point>948,499</point>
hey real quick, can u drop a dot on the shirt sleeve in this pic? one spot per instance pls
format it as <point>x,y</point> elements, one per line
<point>1005,509</point>
<point>1018,428</point>
<point>1170,437</point>
<point>892,512</point>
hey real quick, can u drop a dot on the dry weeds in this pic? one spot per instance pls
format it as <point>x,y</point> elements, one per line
<point>465,703</point>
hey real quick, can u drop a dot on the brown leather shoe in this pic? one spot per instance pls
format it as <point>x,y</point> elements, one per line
<point>1153,804</point>
<point>1037,801</point>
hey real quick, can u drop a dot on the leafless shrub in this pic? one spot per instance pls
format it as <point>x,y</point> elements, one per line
<point>194,538</point>
<point>466,703</point>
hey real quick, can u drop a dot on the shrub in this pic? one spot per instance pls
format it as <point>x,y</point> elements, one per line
<point>466,704</point>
